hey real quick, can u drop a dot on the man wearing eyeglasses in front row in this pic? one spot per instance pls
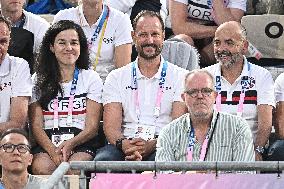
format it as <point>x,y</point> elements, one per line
<point>204,134</point>
<point>15,158</point>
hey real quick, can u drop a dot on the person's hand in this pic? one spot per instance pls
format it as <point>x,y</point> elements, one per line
<point>139,148</point>
<point>258,156</point>
<point>145,148</point>
<point>130,150</point>
<point>56,157</point>
<point>127,147</point>
<point>65,148</point>
<point>136,156</point>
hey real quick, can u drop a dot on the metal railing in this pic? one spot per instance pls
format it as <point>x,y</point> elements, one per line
<point>133,166</point>
<point>57,175</point>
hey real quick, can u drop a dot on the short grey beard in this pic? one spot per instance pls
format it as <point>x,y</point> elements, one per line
<point>235,58</point>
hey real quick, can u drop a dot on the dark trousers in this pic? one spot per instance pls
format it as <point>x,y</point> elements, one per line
<point>111,153</point>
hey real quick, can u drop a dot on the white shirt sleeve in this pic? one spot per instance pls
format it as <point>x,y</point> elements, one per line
<point>21,81</point>
<point>111,89</point>
<point>95,87</point>
<point>38,26</point>
<point>123,31</point>
<point>238,4</point>
<point>182,1</point>
<point>43,27</point>
<point>180,85</point>
<point>59,16</point>
<point>279,88</point>
<point>121,5</point>
<point>265,89</point>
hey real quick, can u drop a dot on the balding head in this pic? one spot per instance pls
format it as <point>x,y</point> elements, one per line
<point>233,27</point>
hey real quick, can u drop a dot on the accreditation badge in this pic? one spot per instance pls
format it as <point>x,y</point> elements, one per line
<point>57,139</point>
<point>145,132</point>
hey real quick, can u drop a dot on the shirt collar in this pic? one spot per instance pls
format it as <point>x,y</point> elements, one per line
<point>5,66</point>
<point>188,126</point>
<point>83,19</point>
<point>157,75</point>
<point>245,71</point>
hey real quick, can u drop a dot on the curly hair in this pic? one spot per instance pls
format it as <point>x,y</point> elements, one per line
<point>48,73</point>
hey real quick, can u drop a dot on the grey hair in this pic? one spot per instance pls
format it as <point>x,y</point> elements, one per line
<point>196,71</point>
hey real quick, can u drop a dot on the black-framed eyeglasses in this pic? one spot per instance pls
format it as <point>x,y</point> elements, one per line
<point>22,148</point>
<point>204,91</point>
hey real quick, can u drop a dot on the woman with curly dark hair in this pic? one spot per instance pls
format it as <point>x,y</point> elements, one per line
<point>66,106</point>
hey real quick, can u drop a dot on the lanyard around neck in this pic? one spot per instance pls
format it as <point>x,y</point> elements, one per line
<point>101,27</point>
<point>70,104</point>
<point>218,88</point>
<point>160,92</point>
<point>205,144</point>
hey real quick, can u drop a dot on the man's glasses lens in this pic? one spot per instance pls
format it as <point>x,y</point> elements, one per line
<point>204,91</point>
<point>9,148</point>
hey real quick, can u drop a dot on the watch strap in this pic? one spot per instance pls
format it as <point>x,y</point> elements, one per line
<point>118,143</point>
<point>259,149</point>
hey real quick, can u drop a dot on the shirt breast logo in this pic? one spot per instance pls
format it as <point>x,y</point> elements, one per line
<point>247,82</point>
<point>108,40</point>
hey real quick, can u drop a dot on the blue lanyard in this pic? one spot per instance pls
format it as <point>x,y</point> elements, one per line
<point>134,86</point>
<point>74,82</point>
<point>100,26</point>
<point>205,145</point>
<point>218,85</point>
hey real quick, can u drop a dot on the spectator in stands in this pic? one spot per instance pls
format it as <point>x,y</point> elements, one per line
<point>27,30</point>
<point>276,150</point>
<point>141,97</point>
<point>15,83</point>
<point>66,106</point>
<point>133,7</point>
<point>15,158</point>
<point>243,88</point>
<point>279,97</point>
<point>204,134</point>
<point>108,32</point>
<point>198,20</point>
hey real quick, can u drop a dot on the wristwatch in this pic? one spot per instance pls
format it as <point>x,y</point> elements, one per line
<point>118,143</point>
<point>259,149</point>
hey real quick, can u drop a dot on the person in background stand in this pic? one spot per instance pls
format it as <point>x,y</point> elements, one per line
<point>141,97</point>
<point>134,7</point>
<point>66,105</point>
<point>15,84</point>
<point>276,149</point>
<point>196,22</point>
<point>27,30</point>
<point>15,156</point>
<point>204,134</point>
<point>108,31</point>
<point>243,88</point>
